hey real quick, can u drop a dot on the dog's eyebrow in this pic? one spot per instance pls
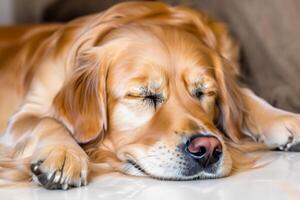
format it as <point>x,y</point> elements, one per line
<point>140,91</point>
<point>137,90</point>
<point>205,85</point>
<point>144,87</point>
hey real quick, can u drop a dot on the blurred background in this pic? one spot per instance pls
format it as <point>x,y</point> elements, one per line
<point>268,32</point>
<point>22,11</point>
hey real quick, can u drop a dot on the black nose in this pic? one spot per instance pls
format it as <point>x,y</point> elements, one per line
<point>207,150</point>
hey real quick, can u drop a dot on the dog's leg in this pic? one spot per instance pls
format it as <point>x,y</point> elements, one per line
<point>57,161</point>
<point>274,127</point>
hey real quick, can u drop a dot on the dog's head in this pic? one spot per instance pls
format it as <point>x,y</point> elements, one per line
<point>155,87</point>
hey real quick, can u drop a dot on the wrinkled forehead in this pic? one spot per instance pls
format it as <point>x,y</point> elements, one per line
<point>157,55</point>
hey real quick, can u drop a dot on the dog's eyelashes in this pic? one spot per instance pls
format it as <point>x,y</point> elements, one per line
<point>153,99</point>
<point>198,94</point>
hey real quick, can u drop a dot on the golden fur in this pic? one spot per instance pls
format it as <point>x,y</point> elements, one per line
<point>74,94</point>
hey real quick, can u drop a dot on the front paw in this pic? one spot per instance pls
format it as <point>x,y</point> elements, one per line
<point>60,167</point>
<point>283,133</point>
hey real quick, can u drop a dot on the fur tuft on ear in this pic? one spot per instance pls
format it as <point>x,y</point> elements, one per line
<point>81,103</point>
<point>232,109</point>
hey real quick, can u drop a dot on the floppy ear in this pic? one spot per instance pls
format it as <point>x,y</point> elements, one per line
<point>81,103</point>
<point>230,102</point>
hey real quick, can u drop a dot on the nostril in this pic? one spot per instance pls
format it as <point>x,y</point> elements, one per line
<point>198,147</point>
<point>201,152</point>
<point>217,153</point>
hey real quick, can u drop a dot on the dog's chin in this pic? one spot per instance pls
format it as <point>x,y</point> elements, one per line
<point>135,169</point>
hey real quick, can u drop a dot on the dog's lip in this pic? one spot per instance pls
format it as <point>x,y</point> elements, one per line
<point>147,174</point>
<point>137,166</point>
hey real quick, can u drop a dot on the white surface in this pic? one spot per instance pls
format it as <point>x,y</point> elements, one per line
<point>278,180</point>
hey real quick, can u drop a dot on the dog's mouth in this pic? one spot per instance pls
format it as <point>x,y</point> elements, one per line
<point>135,169</point>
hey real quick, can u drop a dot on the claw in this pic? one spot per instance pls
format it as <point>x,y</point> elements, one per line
<point>65,186</point>
<point>59,175</point>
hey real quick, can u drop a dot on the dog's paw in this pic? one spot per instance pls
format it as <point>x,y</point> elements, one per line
<point>60,167</point>
<point>283,133</point>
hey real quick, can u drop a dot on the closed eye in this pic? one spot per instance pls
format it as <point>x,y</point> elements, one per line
<point>153,99</point>
<point>199,93</point>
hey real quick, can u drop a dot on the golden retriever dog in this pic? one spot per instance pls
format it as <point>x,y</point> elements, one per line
<point>144,89</point>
